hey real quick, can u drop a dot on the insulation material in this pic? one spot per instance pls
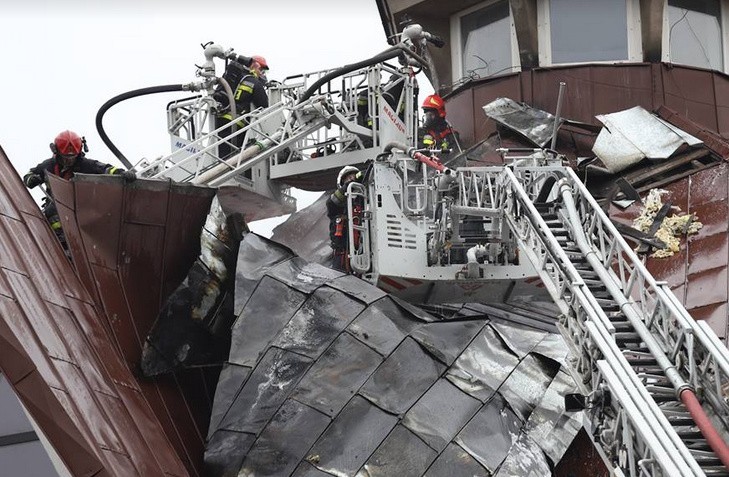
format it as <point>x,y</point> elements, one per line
<point>634,134</point>
<point>671,229</point>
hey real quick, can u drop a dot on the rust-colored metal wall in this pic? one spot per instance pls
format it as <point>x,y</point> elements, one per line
<point>132,248</point>
<point>699,95</point>
<point>59,359</point>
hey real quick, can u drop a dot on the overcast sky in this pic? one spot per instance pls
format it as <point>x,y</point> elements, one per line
<point>63,59</point>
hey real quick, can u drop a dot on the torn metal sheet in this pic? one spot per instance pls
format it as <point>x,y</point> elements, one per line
<point>534,124</point>
<point>549,425</point>
<point>255,256</point>
<point>483,366</point>
<point>634,134</point>
<point>306,232</point>
<point>440,414</point>
<point>446,341</point>
<point>488,437</point>
<point>226,450</point>
<point>302,275</point>
<point>285,441</point>
<point>335,377</point>
<point>404,376</point>
<point>229,385</point>
<point>526,385</point>
<point>263,317</point>
<point>456,462</point>
<point>520,339</point>
<point>193,327</point>
<point>318,322</point>
<point>382,326</point>
<point>402,453</point>
<point>525,459</point>
<point>353,436</point>
<point>267,388</point>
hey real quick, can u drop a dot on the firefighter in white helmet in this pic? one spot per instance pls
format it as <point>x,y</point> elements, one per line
<point>337,213</point>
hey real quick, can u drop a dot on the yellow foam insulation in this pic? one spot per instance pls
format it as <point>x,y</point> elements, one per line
<point>671,229</point>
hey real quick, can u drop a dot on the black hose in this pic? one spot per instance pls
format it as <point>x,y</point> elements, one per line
<point>389,53</point>
<point>117,99</point>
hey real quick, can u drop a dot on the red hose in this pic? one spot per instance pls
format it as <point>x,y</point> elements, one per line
<point>715,441</point>
<point>433,162</point>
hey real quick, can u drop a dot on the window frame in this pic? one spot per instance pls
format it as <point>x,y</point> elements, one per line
<point>723,23</point>
<point>544,31</point>
<point>457,49</point>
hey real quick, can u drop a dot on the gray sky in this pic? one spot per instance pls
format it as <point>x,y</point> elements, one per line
<point>63,59</point>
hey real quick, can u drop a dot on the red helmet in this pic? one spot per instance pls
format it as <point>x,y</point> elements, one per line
<point>67,143</point>
<point>435,102</point>
<point>261,61</point>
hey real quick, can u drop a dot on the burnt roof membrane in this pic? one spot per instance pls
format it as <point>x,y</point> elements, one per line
<point>341,380</point>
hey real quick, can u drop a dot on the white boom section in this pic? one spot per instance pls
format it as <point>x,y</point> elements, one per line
<point>635,346</point>
<point>343,123</point>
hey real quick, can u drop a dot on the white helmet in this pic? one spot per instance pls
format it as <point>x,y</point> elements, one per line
<point>346,170</point>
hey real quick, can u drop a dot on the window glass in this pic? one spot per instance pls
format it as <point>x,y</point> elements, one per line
<point>588,31</point>
<point>694,33</point>
<point>486,41</point>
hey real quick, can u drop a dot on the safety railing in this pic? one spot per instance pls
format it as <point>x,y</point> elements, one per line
<point>691,347</point>
<point>358,223</point>
<point>651,445</point>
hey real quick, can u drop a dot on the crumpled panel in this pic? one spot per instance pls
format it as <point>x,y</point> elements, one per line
<point>334,377</point>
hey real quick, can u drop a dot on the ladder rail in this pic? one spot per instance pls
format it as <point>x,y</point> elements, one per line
<point>592,331</point>
<point>683,337</point>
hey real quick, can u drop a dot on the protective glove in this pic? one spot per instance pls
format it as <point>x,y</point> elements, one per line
<point>129,176</point>
<point>32,180</point>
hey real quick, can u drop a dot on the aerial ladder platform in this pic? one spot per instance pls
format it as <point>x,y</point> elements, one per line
<point>653,382</point>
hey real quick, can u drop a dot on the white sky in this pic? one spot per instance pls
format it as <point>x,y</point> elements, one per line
<point>62,60</point>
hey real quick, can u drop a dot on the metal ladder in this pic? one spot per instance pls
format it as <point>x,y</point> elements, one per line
<point>635,347</point>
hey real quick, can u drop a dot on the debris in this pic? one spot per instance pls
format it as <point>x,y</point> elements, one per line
<point>630,136</point>
<point>671,228</point>
<point>534,124</point>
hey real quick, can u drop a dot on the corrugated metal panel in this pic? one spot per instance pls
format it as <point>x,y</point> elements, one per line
<point>57,356</point>
<point>138,241</point>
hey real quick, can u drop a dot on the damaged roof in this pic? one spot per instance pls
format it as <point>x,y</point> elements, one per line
<point>341,378</point>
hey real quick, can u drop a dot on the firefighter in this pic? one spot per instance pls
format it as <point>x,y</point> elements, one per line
<point>68,158</point>
<point>436,134</point>
<point>337,213</point>
<point>249,92</point>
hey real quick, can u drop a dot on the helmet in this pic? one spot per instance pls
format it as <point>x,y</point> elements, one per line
<point>346,170</point>
<point>67,143</point>
<point>435,102</point>
<point>261,61</point>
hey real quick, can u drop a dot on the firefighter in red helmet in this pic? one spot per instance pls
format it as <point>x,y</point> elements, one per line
<point>436,133</point>
<point>69,157</point>
<point>247,79</point>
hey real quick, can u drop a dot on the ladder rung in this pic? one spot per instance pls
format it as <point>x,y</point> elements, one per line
<point>628,337</point>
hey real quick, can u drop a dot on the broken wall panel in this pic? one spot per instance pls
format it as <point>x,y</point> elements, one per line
<point>60,361</point>
<point>131,256</point>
